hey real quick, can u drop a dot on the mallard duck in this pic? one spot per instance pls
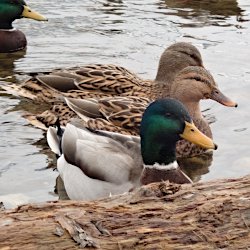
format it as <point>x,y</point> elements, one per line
<point>123,114</point>
<point>95,164</point>
<point>12,39</point>
<point>101,80</point>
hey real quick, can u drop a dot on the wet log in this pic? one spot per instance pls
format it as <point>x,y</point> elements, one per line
<point>211,215</point>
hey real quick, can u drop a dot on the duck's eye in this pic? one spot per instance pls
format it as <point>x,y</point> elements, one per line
<point>168,114</point>
<point>216,92</point>
<point>192,130</point>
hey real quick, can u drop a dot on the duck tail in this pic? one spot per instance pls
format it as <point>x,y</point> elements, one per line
<point>54,138</point>
<point>60,131</point>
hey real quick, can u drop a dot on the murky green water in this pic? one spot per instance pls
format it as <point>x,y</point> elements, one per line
<point>132,34</point>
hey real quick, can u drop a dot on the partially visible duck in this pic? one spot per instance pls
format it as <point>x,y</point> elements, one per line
<point>11,39</point>
<point>123,114</point>
<point>109,80</point>
<point>95,164</point>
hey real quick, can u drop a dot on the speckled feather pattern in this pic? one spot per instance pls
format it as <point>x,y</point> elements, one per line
<point>123,114</point>
<point>105,81</point>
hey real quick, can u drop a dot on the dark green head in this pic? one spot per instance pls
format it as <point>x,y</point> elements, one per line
<point>164,122</point>
<point>15,9</point>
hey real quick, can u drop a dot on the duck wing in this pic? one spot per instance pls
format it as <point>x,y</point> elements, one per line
<point>79,186</point>
<point>102,79</point>
<point>121,114</point>
<point>100,156</point>
<point>108,78</point>
<point>96,164</point>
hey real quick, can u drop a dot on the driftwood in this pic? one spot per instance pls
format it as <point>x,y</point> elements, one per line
<point>211,215</point>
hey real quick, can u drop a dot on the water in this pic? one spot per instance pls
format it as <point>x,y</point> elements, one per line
<point>132,34</point>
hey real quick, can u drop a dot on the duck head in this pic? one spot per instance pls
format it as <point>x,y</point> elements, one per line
<point>193,84</point>
<point>165,122</point>
<point>175,58</point>
<point>15,9</point>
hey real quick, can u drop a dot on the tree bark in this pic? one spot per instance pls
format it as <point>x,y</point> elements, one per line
<point>210,215</point>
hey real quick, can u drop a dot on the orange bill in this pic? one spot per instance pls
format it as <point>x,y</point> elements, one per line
<point>218,96</point>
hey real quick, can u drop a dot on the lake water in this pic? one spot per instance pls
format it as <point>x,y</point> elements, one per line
<point>132,34</point>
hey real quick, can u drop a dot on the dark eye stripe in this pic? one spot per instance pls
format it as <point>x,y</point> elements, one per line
<point>196,58</point>
<point>198,79</point>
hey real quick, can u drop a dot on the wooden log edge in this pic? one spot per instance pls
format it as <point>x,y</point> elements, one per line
<point>208,215</point>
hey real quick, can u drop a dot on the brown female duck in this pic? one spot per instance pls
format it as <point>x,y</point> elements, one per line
<point>11,39</point>
<point>191,85</point>
<point>123,114</point>
<point>109,80</point>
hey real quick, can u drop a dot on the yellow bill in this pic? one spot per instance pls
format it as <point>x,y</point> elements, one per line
<point>194,135</point>
<point>29,13</point>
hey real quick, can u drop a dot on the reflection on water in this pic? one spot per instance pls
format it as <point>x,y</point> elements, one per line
<point>27,106</point>
<point>224,8</point>
<point>23,174</point>
<point>206,12</point>
<point>7,64</point>
<point>60,189</point>
<point>113,7</point>
<point>132,34</point>
<point>196,166</point>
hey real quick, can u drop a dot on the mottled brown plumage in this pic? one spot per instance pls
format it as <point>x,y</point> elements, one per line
<point>101,80</point>
<point>123,114</point>
<point>191,85</point>
<point>119,97</point>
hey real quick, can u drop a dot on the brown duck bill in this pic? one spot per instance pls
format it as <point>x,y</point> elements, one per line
<point>219,97</point>
<point>29,13</point>
<point>193,134</point>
